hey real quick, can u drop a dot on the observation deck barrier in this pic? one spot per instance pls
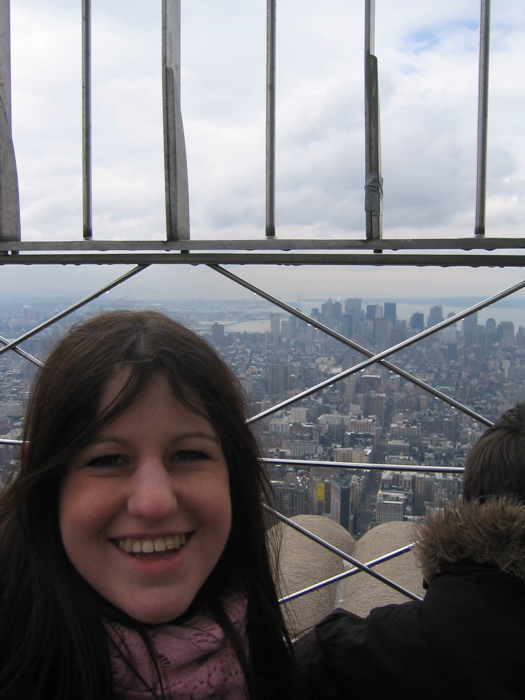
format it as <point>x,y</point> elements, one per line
<point>176,247</point>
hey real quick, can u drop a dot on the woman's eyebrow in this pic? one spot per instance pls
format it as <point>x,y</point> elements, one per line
<point>197,434</point>
<point>176,438</point>
<point>98,439</point>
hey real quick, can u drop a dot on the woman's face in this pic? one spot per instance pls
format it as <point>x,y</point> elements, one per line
<point>145,508</point>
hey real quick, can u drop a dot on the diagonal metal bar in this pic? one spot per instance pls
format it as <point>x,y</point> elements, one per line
<point>340,553</point>
<point>106,288</point>
<point>23,353</point>
<point>347,574</point>
<point>389,351</point>
<point>352,344</point>
<point>175,164</point>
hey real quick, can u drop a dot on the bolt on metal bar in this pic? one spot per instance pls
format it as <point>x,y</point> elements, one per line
<point>308,463</point>
<point>483,104</point>
<point>373,179</point>
<point>340,553</point>
<point>23,353</point>
<point>106,288</point>
<point>175,163</point>
<point>347,574</point>
<point>350,343</point>
<point>87,197</point>
<point>389,351</point>
<point>9,196</point>
<point>270,117</point>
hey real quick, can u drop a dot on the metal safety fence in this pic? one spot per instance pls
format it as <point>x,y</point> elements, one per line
<point>219,255</point>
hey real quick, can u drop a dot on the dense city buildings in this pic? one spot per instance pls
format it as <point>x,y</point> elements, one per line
<point>373,416</point>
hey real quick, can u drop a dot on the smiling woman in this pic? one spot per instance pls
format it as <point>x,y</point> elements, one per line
<point>134,560</point>
<point>145,508</point>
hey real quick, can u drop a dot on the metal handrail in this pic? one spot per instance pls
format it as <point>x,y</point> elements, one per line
<point>477,251</point>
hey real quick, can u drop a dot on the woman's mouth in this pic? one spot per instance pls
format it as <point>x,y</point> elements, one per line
<point>152,548</point>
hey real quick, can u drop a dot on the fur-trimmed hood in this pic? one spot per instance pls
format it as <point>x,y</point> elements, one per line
<point>492,532</point>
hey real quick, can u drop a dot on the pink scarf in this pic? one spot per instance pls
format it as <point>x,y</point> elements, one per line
<point>196,659</point>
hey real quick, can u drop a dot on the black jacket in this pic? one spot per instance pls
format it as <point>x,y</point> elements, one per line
<point>465,640</point>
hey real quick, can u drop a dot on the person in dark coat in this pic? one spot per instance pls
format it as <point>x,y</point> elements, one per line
<point>466,638</point>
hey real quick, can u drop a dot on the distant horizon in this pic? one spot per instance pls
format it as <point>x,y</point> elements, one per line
<point>507,309</point>
<point>456,300</point>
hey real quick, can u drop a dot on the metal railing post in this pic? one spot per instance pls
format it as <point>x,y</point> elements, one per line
<point>87,199</point>
<point>483,106</point>
<point>175,164</point>
<point>373,179</point>
<point>270,118</point>
<point>9,197</point>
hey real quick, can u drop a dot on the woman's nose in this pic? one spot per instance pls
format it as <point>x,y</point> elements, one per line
<point>152,491</point>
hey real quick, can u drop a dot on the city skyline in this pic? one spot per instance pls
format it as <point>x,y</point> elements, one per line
<point>371,417</point>
<point>509,309</point>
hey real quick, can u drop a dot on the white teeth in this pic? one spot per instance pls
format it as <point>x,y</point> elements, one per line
<point>159,544</point>
<point>148,546</point>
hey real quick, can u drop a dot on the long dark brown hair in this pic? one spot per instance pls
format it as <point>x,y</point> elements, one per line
<point>52,639</point>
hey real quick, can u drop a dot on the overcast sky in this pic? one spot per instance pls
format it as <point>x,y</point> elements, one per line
<point>428,54</point>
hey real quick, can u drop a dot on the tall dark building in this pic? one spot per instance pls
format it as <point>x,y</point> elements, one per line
<point>347,325</point>
<point>435,316</point>
<point>217,333</point>
<point>417,321</point>
<point>341,510</point>
<point>371,311</point>
<point>471,322</point>
<point>391,311</point>
<point>278,379</point>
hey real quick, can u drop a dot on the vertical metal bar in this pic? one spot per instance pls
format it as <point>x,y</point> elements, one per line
<point>270,118</point>
<point>373,179</point>
<point>175,165</point>
<point>87,216</point>
<point>483,103</point>
<point>9,198</point>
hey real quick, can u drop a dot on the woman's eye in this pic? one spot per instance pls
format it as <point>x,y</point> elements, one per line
<point>111,460</point>
<point>189,455</point>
